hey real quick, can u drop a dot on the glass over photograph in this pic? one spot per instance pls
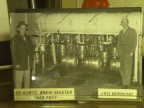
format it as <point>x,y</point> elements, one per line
<point>77,54</point>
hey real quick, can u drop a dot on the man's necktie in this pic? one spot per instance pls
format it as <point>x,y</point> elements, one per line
<point>23,37</point>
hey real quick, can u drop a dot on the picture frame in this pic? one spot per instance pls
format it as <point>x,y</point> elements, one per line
<point>77,54</point>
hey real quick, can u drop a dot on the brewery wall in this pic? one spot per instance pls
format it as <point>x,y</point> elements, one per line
<point>80,23</point>
<point>88,23</point>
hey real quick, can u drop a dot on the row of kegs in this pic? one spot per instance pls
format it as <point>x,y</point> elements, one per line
<point>94,63</point>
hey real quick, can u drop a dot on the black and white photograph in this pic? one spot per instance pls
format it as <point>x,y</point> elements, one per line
<point>97,52</point>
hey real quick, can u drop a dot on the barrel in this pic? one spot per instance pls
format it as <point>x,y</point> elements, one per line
<point>115,64</point>
<point>69,61</point>
<point>92,63</point>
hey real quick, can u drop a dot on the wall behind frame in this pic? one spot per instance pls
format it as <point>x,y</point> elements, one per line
<point>4,21</point>
<point>69,3</point>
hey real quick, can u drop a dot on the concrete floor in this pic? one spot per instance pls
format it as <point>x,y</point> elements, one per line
<point>85,81</point>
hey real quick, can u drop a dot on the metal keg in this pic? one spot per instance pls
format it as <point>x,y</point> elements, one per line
<point>62,50</point>
<point>69,61</point>
<point>81,51</point>
<point>92,63</point>
<point>115,64</point>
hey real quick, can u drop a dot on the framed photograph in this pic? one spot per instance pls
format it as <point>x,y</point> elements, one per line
<point>77,54</point>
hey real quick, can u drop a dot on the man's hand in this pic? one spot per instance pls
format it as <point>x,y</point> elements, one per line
<point>17,66</point>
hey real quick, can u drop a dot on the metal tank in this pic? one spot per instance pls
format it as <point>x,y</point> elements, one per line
<point>62,50</point>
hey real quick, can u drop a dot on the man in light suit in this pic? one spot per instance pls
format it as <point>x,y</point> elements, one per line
<point>126,45</point>
<point>22,56</point>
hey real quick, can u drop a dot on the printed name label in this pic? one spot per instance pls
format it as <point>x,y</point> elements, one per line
<point>117,93</point>
<point>44,94</point>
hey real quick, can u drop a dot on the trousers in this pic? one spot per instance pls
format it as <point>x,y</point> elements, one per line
<point>22,78</point>
<point>126,69</point>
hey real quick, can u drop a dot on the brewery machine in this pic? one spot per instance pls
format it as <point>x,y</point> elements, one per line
<point>67,41</point>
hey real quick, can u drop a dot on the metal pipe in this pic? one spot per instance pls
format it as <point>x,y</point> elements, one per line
<point>34,66</point>
<point>33,4</point>
<point>43,62</point>
<point>54,51</point>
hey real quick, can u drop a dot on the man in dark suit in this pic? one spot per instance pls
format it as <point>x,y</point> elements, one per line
<point>126,46</point>
<point>22,56</point>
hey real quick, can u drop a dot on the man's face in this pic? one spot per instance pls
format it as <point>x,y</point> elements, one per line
<point>124,23</point>
<point>22,29</point>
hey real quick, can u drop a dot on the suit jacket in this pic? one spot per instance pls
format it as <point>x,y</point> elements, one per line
<point>127,41</point>
<point>21,49</point>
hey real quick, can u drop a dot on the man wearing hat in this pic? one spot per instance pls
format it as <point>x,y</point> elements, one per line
<point>22,56</point>
<point>126,45</point>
